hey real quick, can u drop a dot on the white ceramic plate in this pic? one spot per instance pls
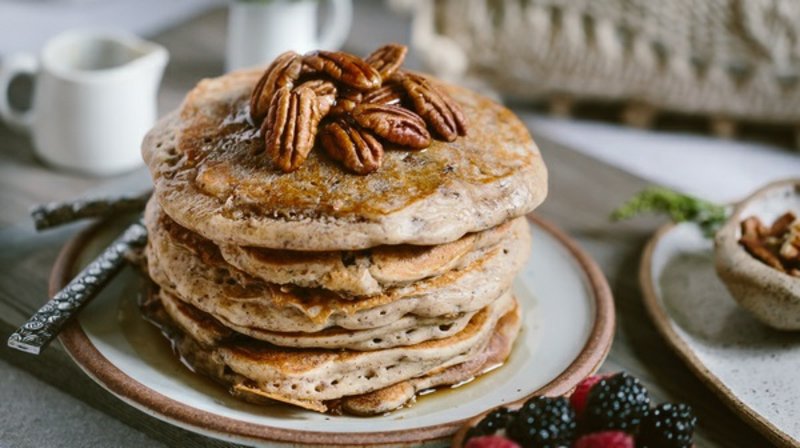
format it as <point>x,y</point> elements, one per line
<point>750,366</point>
<point>567,331</point>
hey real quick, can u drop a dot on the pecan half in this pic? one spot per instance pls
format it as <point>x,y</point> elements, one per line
<point>291,126</point>
<point>777,245</point>
<point>343,67</point>
<point>392,93</point>
<point>759,250</point>
<point>781,225</point>
<point>753,227</point>
<point>347,100</point>
<point>435,107</point>
<point>790,249</point>
<point>387,59</point>
<point>356,148</point>
<point>394,124</point>
<point>325,92</point>
<point>283,71</point>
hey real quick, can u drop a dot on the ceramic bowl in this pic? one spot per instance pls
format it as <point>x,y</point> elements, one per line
<point>773,297</point>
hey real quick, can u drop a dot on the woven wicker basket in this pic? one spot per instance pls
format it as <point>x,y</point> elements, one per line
<point>733,59</point>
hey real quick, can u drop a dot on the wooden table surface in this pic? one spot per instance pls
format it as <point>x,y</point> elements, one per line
<point>49,402</point>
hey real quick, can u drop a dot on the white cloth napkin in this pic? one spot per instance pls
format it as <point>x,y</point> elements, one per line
<point>707,167</point>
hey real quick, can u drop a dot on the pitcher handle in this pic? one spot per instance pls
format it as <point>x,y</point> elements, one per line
<point>336,27</point>
<point>14,65</point>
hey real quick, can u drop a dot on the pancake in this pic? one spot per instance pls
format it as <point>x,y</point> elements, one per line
<point>360,273</point>
<point>363,383</point>
<point>192,269</point>
<point>408,330</point>
<point>493,355</point>
<point>211,175</point>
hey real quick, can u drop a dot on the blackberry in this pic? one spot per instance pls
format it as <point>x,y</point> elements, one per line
<point>667,426</point>
<point>543,422</point>
<point>493,422</point>
<point>617,402</point>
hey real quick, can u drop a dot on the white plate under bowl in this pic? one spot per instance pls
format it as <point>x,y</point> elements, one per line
<point>568,322</point>
<point>752,367</point>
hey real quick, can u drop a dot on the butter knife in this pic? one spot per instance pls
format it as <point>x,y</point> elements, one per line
<point>55,214</point>
<point>44,326</point>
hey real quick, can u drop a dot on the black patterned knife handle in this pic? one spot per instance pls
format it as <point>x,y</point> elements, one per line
<point>55,214</point>
<point>44,326</point>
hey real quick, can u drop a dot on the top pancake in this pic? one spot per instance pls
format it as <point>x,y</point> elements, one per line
<point>212,175</point>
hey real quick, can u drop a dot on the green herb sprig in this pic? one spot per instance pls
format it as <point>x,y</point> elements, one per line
<point>678,206</point>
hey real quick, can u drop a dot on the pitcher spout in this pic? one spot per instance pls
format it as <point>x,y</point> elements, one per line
<point>102,56</point>
<point>152,60</point>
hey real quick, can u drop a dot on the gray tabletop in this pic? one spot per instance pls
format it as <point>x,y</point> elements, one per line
<point>48,401</point>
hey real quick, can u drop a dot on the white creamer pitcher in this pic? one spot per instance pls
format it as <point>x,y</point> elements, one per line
<point>258,31</point>
<point>94,99</point>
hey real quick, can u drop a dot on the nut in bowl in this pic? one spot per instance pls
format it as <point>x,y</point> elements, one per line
<point>753,255</point>
<point>756,246</point>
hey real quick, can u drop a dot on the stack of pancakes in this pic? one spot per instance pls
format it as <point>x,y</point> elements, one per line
<point>329,290</point>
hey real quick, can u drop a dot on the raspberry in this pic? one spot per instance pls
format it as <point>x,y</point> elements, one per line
<point>605,439</point>
<point>491,442</point>
<point>543,422</point>
<point>617,402</point>
<point>581,393</point>
<point>668,426</point>
<point>493,422</point>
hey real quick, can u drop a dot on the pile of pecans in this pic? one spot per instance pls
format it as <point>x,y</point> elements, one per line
<point>354,105</point>
<point>778,246</point>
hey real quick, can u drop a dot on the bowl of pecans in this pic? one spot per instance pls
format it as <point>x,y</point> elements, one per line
<point>757,254</point>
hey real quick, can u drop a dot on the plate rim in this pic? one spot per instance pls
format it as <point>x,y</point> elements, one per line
<point>106,374</point>
<point>663,323</point>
